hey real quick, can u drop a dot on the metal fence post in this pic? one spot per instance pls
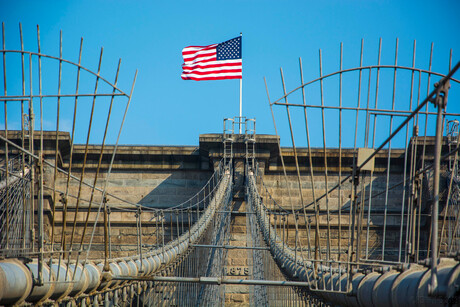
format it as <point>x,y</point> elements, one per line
<point>440,102</point>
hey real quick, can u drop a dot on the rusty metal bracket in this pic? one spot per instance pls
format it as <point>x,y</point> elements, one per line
<point>441,94</point>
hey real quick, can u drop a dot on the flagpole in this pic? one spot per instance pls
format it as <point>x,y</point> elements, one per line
<point>241,89</point>
<point>241,102</point>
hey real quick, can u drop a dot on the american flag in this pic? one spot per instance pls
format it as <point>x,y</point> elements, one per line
<point>213,62</point>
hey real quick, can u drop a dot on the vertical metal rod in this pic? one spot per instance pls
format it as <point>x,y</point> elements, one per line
<point>359,93</point>
<point>405,161</point>
<point>163,232</point>
<point>57,144</point>
<point>366,131</point>
<point>177,223</point>
<point>140,236</point>
<point>440,104</point>
<point>453,169</point>
<point>189,214</point>
<point>283,219</point>
<point>351,226</point>
<point>136,215</point>
<point>23,160</point>
<point>369,209</point>
<point>6,144</point>
<point>65,198</point>
<point>296,238</point>
<point>419,216</point>
<point>389,155</point>
<point>366,145</point>
<point>171,232</point>
<point>355,177</point>
<point>328,251</point>
<point>410,204</point>
<point>41,158</point>
<point>377,91</point>
<point>361,215</point>
<point>295,153</point>
<point>110,232</point>
<point>339,241</point>
<point>275,217</point>
<point>157,230</point>
<point>198,207</point>
<point>315,204</point>
<point>241,102</point>
<point>269,228</point>
<point>412,219</point>
<point>31,149</point>
<point>182,221</point>
<point>106,239</point>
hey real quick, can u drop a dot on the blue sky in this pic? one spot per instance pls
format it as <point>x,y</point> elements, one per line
<point>149,36</point>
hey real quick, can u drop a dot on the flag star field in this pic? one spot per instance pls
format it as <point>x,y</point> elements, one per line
<point>229,50</point>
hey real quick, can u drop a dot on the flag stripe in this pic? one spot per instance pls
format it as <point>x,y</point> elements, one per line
<point>211,67</point>
<point>191,49</point>
<point>201,59</point>
<point>199,54</point>
<point>214,70</point>
<point>214,74</point>
<point>210,78</point>
<point>209,61</point>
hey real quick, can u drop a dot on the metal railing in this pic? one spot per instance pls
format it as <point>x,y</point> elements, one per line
<point>15,213</point>
<point>382,209</point>
<point>311,244</point>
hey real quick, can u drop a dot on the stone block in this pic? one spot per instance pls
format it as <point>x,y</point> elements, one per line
<point>238,289</point>
<point>239,220</point>
<point>237,253</point>
<point>239,229</point>
<point>239,261</point>
<point>238,237</point>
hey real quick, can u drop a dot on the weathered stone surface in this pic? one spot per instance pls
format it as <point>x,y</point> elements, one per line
<point>165,176</point>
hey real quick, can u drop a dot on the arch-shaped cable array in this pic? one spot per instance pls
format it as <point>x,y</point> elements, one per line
<point>88,278</point>
<point>335,284</point>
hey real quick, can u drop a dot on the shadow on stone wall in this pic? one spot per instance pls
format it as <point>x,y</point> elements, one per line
<point>173,189</point>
